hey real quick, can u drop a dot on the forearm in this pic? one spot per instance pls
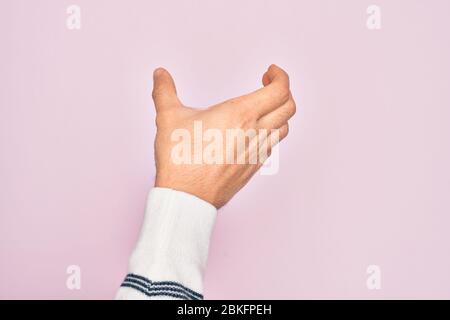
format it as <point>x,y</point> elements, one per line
<point>170,256</point>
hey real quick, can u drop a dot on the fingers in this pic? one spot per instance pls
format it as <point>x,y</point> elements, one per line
<point>283,131</point>
<point>164,91</point>
<point>265,79</point>
<point>276,75</point>
<point>268,142</point>
<point>274,94</point>
<point>276,135</point>
<point>279,116</point>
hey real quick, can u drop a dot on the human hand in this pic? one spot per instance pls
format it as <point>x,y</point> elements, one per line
<point>266,110</point>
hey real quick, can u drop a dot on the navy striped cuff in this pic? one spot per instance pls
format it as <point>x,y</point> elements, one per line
<point>160,288</point>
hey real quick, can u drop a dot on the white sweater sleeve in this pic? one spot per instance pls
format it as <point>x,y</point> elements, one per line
<point>170,256</point>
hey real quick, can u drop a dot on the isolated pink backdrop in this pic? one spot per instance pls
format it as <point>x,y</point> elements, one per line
<point>364,175</point>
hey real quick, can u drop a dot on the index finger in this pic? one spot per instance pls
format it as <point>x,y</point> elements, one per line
<point>275,93</point>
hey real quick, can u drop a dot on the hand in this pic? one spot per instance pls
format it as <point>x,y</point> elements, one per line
<point>265,110</point>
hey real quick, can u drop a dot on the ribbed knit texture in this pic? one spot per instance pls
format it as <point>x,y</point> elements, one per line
<point>172,247</point>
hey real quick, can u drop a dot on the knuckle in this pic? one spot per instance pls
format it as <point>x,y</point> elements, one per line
<point>154,94</point>
<point>286,76</point>
<point>283,93</point>
<point>235,102</point>
<point>243,111</point>
<point>293,108</point>
<point>159,120</point>
<point>246,120</point>
<point>162,118</point>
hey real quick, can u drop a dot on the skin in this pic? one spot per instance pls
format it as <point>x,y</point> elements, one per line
<point>269,107</point>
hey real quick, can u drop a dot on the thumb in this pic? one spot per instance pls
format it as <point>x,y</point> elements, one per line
<point>164,91</point>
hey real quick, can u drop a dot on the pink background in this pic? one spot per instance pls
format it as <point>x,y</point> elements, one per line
<point>364,176</point>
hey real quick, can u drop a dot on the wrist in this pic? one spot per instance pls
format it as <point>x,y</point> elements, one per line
<point>199,192</point>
